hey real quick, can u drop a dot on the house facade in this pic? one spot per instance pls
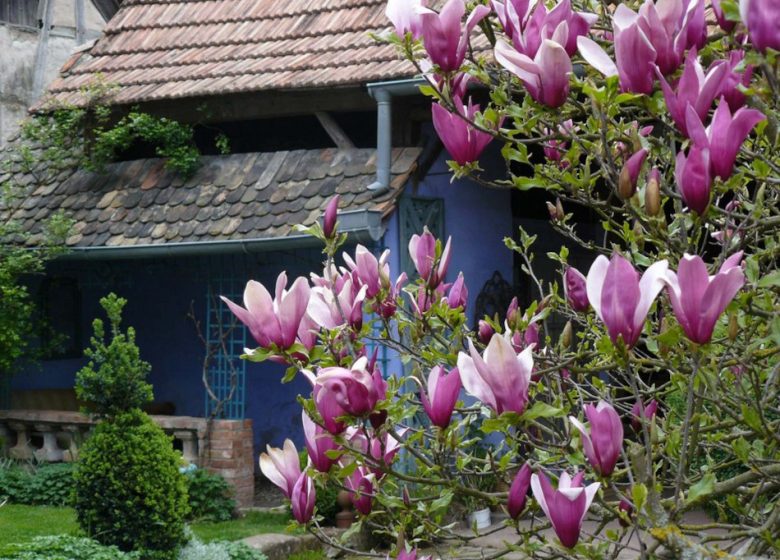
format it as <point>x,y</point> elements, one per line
<point>311,106</point>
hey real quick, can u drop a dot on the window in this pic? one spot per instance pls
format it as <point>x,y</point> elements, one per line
<point>61,330</point>
<point>20,12</point>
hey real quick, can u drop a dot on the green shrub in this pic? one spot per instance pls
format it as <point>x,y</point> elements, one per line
<point>63,547</point>
<point>129,491</point>
<point>114,380</point>
<point>211,497</point>
<point>44,485</point>
<point>219,550</point>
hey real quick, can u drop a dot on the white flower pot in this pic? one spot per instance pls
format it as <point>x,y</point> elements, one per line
<point>480,518</point>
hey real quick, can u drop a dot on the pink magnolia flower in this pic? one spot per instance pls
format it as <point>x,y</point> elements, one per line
<point>442,394</point>
<point>693,177</point>
<point>318,443</point>
<point>329,219</point>
<point>518,491</point>
<point>356,390</point>
<point>546,77</point>
<point>574,286</point>
<point>733,79</point>
<point>658,35</point>
<point>303,499</point>
<point>603,442</point>
<point>698,299</point>
<point>567,506</point>
<point>444,38</point>
<point>422,251</point>
<point>361,484</point>
<point>528,30</point>
<point>463,142</point>
<point>634,53</point>
<point>273,321</point>
<point>282,466</point>
<point>458,296</point>
<point>383,450</point>
<point>334,311</point>
<point>523,339</point>
<point>695,88</point>
<point>500,378</point>
<point>725,24</point>
<point>762,18</point>
<point>387,307</point>
<point>620,298</point>
<point>410,555</point>
<point>648,412</point>
<point>406,16</point>
<point>368,269</point>
<point>554,149</point>
<point>724,137</point>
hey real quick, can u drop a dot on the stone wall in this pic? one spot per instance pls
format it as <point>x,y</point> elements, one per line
<point>54,436</point>
<point>18,46</point>
<point>231,454</point>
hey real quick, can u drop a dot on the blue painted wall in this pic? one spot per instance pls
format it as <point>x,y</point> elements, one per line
<point>160,295</point>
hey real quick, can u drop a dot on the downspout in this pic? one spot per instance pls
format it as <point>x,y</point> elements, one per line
<point>383,93</point>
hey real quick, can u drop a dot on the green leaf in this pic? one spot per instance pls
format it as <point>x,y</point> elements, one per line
<point>541,410</point>
<point>770,280</point>
<point>751,418</point>
<point>639,495</point>
<point>442,502</point>
<point>702,488</point>
<point>741,449</point>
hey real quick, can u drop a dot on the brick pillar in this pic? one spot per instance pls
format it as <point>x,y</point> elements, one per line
<point>231,455</point>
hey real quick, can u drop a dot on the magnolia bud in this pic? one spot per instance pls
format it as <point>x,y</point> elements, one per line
<point>630,174</point>
<point>653,193</point>
<point>733,327</point>
<point>329,220</point>
<point>626,508</point>
<point>639,235</point>
<point>406,497</point>
<point>566,336</point>
<point>485,332</point>
<point>559,209</point>
<point>663,348</point>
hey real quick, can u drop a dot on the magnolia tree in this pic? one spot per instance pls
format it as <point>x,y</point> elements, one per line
<point>662,393</point>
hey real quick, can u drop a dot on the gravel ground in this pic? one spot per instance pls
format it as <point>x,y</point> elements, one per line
<point>266,494</point>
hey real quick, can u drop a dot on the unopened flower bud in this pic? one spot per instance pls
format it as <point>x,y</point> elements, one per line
<point>329,220</point>
<point>653,193</point>
<point>566,336</point>
<point>485,331</point>
<point>733,327</point>
<point>630,174</point>
<point>626,508</point>
<point>406,497</point>
<point>555,210</point>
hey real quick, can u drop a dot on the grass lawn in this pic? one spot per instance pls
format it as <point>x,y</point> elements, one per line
<point>22,523</point>
<point>253,523</point>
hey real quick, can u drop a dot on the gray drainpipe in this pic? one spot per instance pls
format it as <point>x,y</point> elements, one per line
<point>383,93</point>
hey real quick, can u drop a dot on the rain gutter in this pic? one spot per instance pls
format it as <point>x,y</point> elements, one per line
<point>383,93</point>
<point>362,226</point>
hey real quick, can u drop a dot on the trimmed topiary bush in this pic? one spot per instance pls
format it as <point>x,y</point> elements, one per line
<point>129,491</point>
<point>114,380</point>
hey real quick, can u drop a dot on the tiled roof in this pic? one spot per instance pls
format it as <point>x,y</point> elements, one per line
<point>165,49</point>
<point>236,197</point>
